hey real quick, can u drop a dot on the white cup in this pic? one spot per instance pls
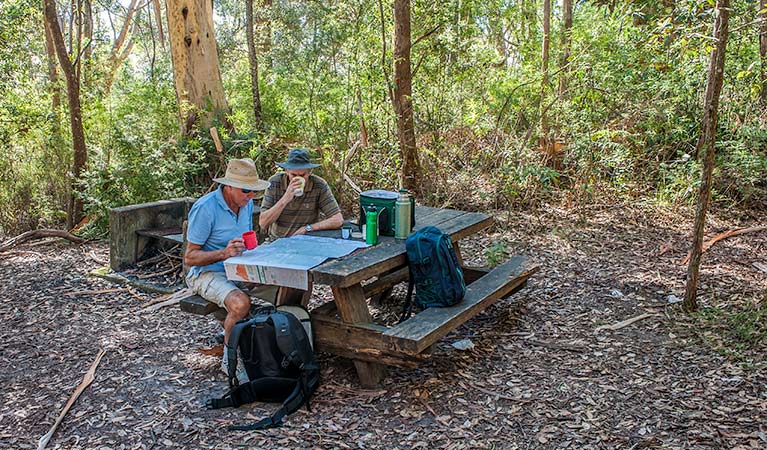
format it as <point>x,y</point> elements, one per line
<point>299,191</point>
<point>346,232</point>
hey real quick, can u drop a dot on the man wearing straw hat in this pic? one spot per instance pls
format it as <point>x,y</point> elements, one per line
<point>298,202</point>
<point>214,233</point>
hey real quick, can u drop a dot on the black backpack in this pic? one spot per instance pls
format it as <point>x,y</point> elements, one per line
<point>279,360</point>
<point>434,271</point>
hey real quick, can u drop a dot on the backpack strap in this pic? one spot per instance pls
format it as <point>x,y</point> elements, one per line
<point>305,387</point>
<point>407,308</point>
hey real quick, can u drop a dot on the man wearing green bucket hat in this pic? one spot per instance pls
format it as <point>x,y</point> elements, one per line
<point>296,201</point>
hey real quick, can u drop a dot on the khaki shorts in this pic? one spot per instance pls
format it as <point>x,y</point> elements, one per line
<point>214,287</point>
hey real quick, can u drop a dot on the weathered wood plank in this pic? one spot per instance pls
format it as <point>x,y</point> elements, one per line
<point>197,305</point>
<point>174,235</point>
<point>472,274</point>
<point>421,331</point>
<point>354,310</point>
<point>385,282</point>
<point>390,253</point>
<point>326,309</point>
<point>358,341</point>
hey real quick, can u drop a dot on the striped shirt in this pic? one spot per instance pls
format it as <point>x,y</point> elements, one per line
<point>301,211</point>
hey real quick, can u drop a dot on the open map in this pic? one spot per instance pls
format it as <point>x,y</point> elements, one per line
<point>286,262</point>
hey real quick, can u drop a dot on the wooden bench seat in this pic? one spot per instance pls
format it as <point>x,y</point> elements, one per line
<point>173,235</point>
<point>195,304</point>
<point>419,332</point>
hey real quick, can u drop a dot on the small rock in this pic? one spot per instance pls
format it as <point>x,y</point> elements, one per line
<point>463,344</point>
<point>671,299</point>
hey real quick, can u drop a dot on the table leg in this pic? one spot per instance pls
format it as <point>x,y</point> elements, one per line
<point>457,249</point>
<point>353,309</point>
<point>293,296</point>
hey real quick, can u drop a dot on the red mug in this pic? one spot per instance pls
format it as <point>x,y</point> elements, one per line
<point>250,239</point>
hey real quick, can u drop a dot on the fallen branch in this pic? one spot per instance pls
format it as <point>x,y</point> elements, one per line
<point>157,274</point>
<point>625,323</point>
<point>146,287</point>
<point>93,256</point>
<point>37,234</point>
<point>351,183</point>
<point>87,380</point>
<point>100,291</point>
<point>165,300</point>
<point>720,236</point>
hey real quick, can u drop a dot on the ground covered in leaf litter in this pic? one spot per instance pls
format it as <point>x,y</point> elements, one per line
<point>539,375</point>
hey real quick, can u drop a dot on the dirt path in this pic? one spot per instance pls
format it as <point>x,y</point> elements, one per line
<point>540,376</point>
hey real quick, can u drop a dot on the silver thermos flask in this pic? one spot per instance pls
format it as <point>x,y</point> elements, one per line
<point>402,215</point>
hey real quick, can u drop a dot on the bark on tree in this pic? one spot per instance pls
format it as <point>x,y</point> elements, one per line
<point>544,121</point>
<point>88,30</point>
<point>53,71</point>
<point>196,72</point>
<point>567,25</point>
<point>708,138</point>
<point>263,23</point>
<point>763,50</point>
<point>72,75</point>
<point>253,61</point>
<point>403,100</point>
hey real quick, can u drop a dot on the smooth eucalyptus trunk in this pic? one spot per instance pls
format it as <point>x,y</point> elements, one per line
<point>708,139</point>
<point>196,72</point>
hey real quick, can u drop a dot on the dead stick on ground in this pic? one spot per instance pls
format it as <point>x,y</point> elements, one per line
<point>720,236</point>
<point>87,380</point>
<point>36,234</point>
<point>100,291</point>
<point>165,300</point>
<point>625,323</point>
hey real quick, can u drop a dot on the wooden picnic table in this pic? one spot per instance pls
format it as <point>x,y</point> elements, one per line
<point>344,326</point>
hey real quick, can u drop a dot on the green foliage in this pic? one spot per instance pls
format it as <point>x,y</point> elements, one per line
<point>627,125</point>
<point>497,253</point>
<point>739,334</point>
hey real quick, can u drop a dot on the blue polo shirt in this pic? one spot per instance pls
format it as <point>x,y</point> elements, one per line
<point>212,225</point>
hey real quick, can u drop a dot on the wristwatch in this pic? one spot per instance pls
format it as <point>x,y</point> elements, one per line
<point>308,227</point>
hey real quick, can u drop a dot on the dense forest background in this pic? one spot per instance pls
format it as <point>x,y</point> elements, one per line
<point>607,109</point>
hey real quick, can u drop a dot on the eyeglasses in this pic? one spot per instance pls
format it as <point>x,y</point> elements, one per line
<point>247,191</point>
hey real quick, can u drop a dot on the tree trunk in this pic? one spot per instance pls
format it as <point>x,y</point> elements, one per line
<point>122,46</point>
<point>708,138</point>
<point>403,100</point>
<point>544,138</point>
<point>196,72</point>
<point>74,213</point>
<point>567,25</point>
<point>763,50</point>
<point>53,72</point>
<point>253,61</point>
<point>263,19</point>
<point>88,30</point>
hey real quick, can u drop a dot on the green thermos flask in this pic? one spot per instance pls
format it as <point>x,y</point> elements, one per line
<point>371,225</point>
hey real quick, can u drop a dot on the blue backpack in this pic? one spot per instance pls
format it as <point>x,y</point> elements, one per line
<point>434,271</point>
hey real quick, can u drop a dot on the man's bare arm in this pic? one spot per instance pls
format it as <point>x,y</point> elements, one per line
<point>331,223</point>
<point>196,256</point>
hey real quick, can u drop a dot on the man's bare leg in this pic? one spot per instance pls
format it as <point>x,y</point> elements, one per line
<point>237,307</point>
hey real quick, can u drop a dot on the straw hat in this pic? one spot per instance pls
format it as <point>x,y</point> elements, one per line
<point>242,173</point>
